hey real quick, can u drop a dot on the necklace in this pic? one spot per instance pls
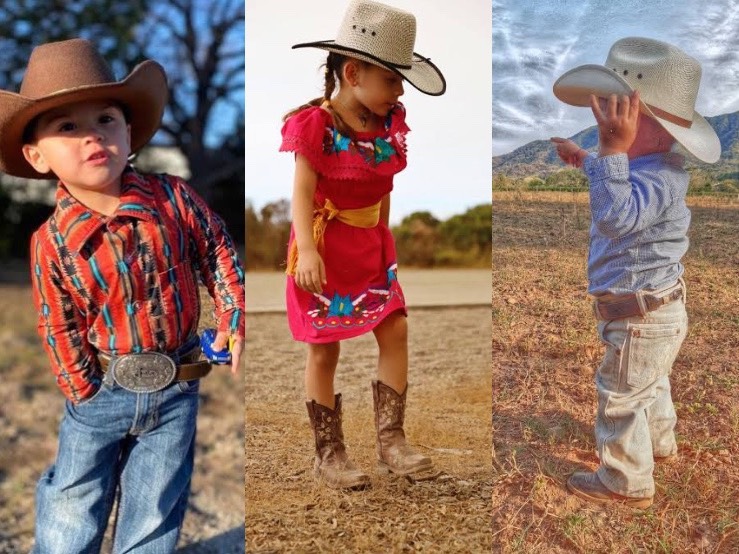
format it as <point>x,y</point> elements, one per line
<point>362,115</point>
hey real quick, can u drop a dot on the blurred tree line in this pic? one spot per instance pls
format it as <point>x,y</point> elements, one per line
<point>574,180</point>
<point>200,44</point>
<point>421,239</point>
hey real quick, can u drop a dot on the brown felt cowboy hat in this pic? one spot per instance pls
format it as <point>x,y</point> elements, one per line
<point>70,71</point>
<point>384,36</point>
<point>667,80</point>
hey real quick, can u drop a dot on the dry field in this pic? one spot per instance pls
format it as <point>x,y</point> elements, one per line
<point>545,351</point>
<point>30,410</point>
<point>448,418</point>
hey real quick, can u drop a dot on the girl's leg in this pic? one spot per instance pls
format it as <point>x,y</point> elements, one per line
<point>392,340</point>
<point>320,368</point>
<point>389,393</point>
<point>332,464</point>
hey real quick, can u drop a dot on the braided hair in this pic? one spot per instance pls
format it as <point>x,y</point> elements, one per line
<point>332,74</point>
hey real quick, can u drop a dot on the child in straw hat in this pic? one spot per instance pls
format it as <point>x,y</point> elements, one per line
<point>117,298</point>
<point>342,272</point>
<point>643,100</point>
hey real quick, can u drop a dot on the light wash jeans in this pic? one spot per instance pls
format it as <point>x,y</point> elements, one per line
<point>142,443</point>
<point>636,418</point>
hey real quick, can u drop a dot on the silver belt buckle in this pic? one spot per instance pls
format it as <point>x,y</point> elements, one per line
<point>144,372</point>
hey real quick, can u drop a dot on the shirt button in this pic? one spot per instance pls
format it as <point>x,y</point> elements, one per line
<point>137,306</point>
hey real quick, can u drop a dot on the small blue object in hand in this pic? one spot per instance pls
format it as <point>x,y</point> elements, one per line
<point>206,345</point>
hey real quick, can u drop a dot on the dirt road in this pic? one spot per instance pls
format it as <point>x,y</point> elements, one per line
<point>448,418</point>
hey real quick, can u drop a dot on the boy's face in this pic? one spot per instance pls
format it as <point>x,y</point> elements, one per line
<point>86,145</point>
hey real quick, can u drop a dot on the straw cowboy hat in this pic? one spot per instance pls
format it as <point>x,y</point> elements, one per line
<point>384,36</point>
<point>667,80</point>
<point>70,71</point>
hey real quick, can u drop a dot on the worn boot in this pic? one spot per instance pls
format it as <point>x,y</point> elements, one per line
<point>588,486</point>
<point>393,454</point>
<point>332,464</point>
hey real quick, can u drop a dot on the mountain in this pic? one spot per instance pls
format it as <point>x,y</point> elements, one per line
<point>539,158</point>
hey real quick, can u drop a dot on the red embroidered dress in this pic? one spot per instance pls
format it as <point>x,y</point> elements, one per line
<point>361,270</point>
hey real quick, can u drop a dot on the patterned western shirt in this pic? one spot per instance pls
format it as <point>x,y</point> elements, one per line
<point>640,222</point>
<point>127,282</point>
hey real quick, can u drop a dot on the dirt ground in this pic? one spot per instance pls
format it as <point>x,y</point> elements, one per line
<point>30,411</point>
<point>545,352</point>
<point>448,418</point>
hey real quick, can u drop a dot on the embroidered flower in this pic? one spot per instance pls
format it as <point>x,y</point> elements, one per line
<point>374,152</point>
<point>340,142</point>
<point>340,305</point>
<point>345,311</point>
<point>383,150</point>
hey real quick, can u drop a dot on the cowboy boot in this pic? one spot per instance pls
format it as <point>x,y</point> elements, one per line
<point>393,454</point>
<point>332,464</point>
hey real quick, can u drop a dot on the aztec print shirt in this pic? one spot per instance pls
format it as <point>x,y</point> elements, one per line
<point>127,283</point>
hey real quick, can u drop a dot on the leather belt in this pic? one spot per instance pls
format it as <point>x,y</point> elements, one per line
<point>152,371</point>
<point>639,303</point>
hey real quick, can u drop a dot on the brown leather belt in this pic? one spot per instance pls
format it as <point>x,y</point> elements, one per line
<point>639,303</point>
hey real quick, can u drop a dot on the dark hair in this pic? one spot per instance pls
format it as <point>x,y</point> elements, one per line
<point>29,132</point>
<point>334,65</point>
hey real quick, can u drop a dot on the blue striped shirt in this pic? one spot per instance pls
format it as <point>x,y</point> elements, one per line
<point>639,224</point>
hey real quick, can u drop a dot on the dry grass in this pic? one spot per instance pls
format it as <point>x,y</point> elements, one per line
<point>448,418</point>
<point>545,351</point>
<point>30,411</point>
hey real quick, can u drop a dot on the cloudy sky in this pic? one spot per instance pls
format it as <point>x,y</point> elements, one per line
<point>535,41</point>
<point>449,146</point>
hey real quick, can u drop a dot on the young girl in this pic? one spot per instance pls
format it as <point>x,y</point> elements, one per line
<point>342,271</point>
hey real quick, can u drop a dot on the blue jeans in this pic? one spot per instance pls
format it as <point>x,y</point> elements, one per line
<point>636,418</point>
<point>142,444</point>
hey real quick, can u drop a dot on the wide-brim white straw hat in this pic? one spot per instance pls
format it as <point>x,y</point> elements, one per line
<point>384,36</point>
<point>667,80</point>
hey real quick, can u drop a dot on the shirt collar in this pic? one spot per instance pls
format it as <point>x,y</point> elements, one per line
<point>77,223</point>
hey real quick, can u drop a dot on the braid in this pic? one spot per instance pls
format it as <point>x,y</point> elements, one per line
<point>332,73</point>
<point>330,76</point>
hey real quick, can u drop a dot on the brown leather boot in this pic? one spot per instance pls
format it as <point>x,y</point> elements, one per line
<point>588,486</point>
<point>393,454</point>
<point>332,464</point>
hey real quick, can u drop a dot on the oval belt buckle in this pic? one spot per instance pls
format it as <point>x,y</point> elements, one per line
<point>144,372</point>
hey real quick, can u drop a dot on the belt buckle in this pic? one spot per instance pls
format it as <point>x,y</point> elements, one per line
<point>143,372</point>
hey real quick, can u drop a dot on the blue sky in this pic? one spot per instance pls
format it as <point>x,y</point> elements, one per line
<point>449,146</point>
<point>534,42</point>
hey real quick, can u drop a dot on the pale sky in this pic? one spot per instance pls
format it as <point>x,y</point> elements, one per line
<point>449,146</point>
<point>535,41</point>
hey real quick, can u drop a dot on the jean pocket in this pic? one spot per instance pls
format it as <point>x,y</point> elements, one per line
<point>97,394</point>
<point>189,387</point>
<point>652,349</point>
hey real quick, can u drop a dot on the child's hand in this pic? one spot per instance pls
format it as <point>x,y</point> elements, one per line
<point>617,120</point>
<point>310,275</point>
<point>569,152</point>
<point>221,341</point>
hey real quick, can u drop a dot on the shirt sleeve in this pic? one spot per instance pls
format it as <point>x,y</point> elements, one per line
<point>62,328</point>
<point>304,132</point>
<point>619,203</point>
<point>220,268</point>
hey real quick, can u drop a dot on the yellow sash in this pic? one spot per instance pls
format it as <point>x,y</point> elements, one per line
<point>366,217</point>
